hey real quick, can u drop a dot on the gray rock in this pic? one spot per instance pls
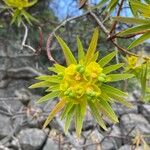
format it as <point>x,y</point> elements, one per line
<point>109,144</point>
<point>5,126</point>
<point>116,134</point>
<point>94,137</point>
<point>146,111</point>
<point>128,147</point>
<point>50,145</point>
<point>121,109</point>
<point>134,123</point>
<point>31,139</point>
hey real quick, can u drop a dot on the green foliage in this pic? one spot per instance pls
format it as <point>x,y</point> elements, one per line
<point>17,8</point>
<point>142,11</point>
<point>83,83</point>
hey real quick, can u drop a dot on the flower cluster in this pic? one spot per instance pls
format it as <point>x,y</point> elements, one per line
<point>83,83</point>
<point>18,10</point>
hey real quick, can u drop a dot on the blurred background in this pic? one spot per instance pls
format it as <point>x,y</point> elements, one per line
<point>21,118</point>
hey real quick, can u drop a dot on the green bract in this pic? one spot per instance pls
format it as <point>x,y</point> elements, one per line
<point>81,84</point>
<point>18,10</point>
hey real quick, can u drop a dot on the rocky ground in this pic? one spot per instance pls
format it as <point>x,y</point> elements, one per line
<point>21,118</point>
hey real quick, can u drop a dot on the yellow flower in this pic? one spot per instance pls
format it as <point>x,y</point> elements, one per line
<point>83,83</point>
<point>132,61</point>
<point>20,4</point>
<point>94,69</point>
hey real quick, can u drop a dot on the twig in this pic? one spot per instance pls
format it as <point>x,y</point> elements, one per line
<point>50,36</point>
<point>99,23</point>
<point>124,51</point>
<point>25,38</point>
<point>118,13</point>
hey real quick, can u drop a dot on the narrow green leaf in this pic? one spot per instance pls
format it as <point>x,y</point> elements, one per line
<point>59,68</point>
<point>56,109</point>
<point>111,89</point>
<point>101,3</point>
<point>69,117</point>
<point>96,115</point>
<point>111,68</point>
<point>16,14</point>
<point>66,110</point>
<point>80,49</point>
<point>141,7</point>
<point>131,20</point>
<point>53,87</point>
<point>104,106</point>
<point>105,60</point>
<point>140,40</point>
<point>92,46</point>
<point>143,79</point>
<point>95,57</point>
<point>70,59</point>
<point>118,77</point>
<point>40,84</point>
<point>51,79</point>
<point>112,5</point>
<point>119,99</point>
<point>135,30</point>
<point>53,69</point>
<point>78,119</point>
<point>49,96</point>
<point>29,4</point>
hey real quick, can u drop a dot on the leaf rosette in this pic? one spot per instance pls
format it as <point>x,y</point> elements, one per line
<point>83,83</point>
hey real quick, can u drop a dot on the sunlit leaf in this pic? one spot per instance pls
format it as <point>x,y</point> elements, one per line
<point>96,115</point>
<point>135,30</point>
<point>131,20</point>
<point>70,59</point>
<point>111,68</point>
<point>105,60</point>
<point>92,46</point>
<point>55,110</point>
<point>80,49</point>
<point>49,96</point>
<point>140,40</point>
<point>118,77</point>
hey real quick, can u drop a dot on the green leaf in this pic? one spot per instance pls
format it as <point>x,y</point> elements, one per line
<point>105,60</point>
<point>111,68</point>
<point>49,96</point>
<point>141,7</point>
<point>112,5</point>
<point>70,59</point>
<point>119,99</point>
<point>69,117</point>
<point>56,109</point>
<point>92,46</point>
<point>140,40</point>
<point>96,115</point>
<point>111,89</point>
<point>80,49</point>
<point>131,20</point>
<point>66,110</point>
<point>135,30</point>
<point>15,16</point>
<point>59,68</point>
<point>79,117</point>
<point>144,78</point>
<point>53,87</point>
<point>31,3</point>
<point>40,84</point>
<point>118,77</point>
<point>50,79</point>
<point>101,3</point>
<point>104,107</point>
<point>28,17</point>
